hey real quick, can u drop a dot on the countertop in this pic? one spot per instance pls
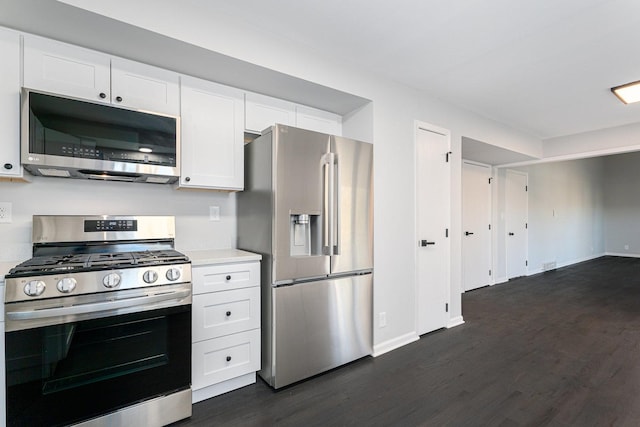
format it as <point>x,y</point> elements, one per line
<point>220,256</point>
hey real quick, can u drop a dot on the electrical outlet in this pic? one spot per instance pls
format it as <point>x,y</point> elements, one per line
<point>5,212</point>
<point>214,213</point>
<point>383,319</point>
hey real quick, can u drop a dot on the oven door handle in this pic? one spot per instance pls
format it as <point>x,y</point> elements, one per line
<point>107,306</point>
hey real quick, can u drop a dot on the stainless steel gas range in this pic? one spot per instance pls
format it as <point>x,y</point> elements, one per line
<point>98,324</point>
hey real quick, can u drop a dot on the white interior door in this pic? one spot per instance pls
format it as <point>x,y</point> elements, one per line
<point>516,207</point>
<point>433,200</point>
<point>476,225</point>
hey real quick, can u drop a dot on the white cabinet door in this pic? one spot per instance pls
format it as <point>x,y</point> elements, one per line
<point>212,135</point>
<point>224,277</point>
<point>144,87</point>
<point>10,104</point>
<point>261,111</point>
<point>224,358</point>
<point>318,120</point>
<point>61,68</point>
<point>224,313</point>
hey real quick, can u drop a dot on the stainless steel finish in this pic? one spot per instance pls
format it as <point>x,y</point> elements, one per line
<point>72,166</point>
<point>310,338</point>
<point>102,281</point>
<point>292,172</point>
<point>70,228</point>
<point>150,276</point>
<point>172,274</point>
<point>32,314</point>
<point>297,155</point>
<point>66,285</point>
<point>355,206</point>
<point>34,288</point>
<point>111,280</point>
<point>151,413</point>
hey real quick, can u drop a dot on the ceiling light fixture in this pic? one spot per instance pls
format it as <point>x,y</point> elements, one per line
<point>627,93</point>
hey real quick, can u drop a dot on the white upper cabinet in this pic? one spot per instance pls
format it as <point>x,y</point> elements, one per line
<point>318,120</point>
<point>212,135</point>
<point>10,104</point>
<point>69,70</point>
<point>141,86</point>
<point>61,68</point>
<point>263,111</point>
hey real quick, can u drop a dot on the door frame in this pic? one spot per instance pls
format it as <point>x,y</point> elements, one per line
<point>491,220</point>
<point>526,236</point>
<point>423,126</point>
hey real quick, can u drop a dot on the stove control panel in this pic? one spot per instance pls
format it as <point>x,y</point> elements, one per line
<point>90,282</point>
<point>34,288</point>
<point>111,280</point>
<point>173,274</point>
<point>66,285</point>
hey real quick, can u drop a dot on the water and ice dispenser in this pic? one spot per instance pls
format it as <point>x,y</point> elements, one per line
<point>305,235</point>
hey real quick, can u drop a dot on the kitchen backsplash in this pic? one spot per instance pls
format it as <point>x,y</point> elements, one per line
<point>54,196</point>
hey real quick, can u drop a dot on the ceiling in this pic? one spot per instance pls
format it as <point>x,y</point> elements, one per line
<point>542,66</point>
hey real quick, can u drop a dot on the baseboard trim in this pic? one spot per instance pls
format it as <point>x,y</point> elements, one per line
<point>568,263</point>
<point>456,321</point>
<point>387,346</point>
<point>500,280</point>
<point>625,255</point>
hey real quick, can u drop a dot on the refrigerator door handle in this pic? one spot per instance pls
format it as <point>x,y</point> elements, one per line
<point>328,223</point>
<point>336,211</point>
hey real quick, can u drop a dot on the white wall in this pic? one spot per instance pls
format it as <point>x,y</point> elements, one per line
<point>596,143</point>
<point>622,204</point>
<point>60,196</point>
<point>566,213</point>
<point>394,109</point>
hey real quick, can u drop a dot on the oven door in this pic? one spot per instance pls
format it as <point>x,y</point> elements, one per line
<point>65,373</point>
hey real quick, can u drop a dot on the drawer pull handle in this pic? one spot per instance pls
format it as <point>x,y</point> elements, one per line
<point>228,358</point>
<point>228,313</point>
<point>228,277</point>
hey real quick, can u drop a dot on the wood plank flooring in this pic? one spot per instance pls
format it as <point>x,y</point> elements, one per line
<point>560,348</point>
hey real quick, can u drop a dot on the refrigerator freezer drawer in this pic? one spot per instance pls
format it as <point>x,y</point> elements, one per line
<point>319,326</point>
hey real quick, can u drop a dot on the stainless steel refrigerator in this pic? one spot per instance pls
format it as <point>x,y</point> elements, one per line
<point>308,209</point>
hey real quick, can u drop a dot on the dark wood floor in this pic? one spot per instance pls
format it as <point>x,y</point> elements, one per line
<point>560,348</point>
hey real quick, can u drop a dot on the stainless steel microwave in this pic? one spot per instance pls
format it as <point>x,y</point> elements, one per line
<point>73,138</point>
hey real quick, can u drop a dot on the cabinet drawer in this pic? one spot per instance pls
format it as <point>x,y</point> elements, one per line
<point>224,313</point>
<point>225,277</point>
<point>224,358</point>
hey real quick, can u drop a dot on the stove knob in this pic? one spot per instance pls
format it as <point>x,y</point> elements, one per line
<point>111,280</point>
<point>34,288</point>
<point>150,276</point>
<point>173,274</point>
<point>66,285</point>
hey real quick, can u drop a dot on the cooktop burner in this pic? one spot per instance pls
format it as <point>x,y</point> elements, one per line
<point>52,264</point>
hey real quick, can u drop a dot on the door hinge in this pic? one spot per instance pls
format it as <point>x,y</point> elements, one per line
<point>446,232</point>
<point>489,226</point>
<point>526,188</point>
<point>526,263</point>
<point>447,156</point>
<point>489,272</point>
<point>446,307</point>
<point>526,225</point>
<point>490,180</point>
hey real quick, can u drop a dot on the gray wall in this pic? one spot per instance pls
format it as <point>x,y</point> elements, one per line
<point>622,204</point>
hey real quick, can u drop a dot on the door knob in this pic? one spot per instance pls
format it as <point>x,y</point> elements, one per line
<point>511,234</point>
<point>426,243</point>
<point>467,233</point>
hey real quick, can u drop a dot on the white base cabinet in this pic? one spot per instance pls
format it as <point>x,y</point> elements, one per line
<point>225,327</point>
